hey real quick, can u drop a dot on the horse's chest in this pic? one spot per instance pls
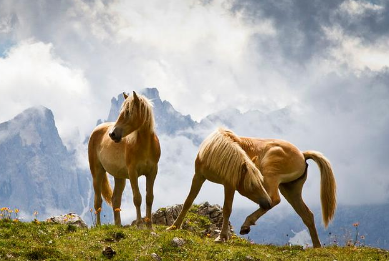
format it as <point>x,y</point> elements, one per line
<point>144,167</point>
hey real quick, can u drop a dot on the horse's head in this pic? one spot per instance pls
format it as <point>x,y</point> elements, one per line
<point>254,186</point>
<point>129,118</point>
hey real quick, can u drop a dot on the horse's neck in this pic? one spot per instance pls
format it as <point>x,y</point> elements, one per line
<point>246,144</point>
<point>143,134</point>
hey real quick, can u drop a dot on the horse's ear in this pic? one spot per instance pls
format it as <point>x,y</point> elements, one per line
<point>254,159</point>
<point>244,168</point>
<point>125,95</point>
<point>136,98</point>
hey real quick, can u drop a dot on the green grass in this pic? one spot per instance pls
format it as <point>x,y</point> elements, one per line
<point>46,241</point>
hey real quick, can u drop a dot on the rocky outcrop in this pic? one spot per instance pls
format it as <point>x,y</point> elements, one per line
<point>166,216</point>
<point>68,219</point>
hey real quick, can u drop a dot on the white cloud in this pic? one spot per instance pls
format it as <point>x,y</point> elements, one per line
<point>32,74</point>
<point>301,238</point>
<point>357,8</point>
<point>357,55</point>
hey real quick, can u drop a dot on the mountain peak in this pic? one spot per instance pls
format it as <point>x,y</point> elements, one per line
<point>35,126</point>
<point>34,113</point>
<point>151,93</point>
<point>169,121</point>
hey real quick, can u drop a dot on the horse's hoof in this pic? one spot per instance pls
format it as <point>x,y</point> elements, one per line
<point>173,227</point>
<point>220,239</point>
<point>244,230</point>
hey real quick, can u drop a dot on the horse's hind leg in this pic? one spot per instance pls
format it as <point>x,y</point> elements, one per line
<point>137,197</point>
<point>150,196</point>
<point>98,173</point>
<point>197,182</point>
<point>117,199</point>
<point>292,193</point>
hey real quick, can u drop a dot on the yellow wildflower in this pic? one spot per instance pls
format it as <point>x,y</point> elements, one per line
<point>16,220</point>
<point>16,210</point>
<point>147,220</point>
<point>117,210</point>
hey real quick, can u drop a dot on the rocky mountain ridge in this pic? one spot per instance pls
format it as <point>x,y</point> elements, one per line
<point>37,171</point>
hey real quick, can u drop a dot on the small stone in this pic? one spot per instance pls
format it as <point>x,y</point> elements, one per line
<point>156,257</point>
<point>249,258</point>
<point>109,252</point>
<point>177,242</point>
<point>153,234</point>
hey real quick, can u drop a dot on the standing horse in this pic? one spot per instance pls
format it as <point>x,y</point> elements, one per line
<point>282,167</point>
<point>126,149</point>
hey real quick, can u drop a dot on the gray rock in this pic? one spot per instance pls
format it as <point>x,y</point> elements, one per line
<point>70,219</point>
<point>156,257</point>
<point>166,216</point>
<point>178,242</point>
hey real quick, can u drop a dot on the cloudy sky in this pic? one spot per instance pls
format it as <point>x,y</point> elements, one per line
<point>325,61</point>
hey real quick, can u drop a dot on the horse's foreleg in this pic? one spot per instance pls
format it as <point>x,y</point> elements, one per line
<point>271,187</point>
<point>137,197</point>
<point>197,182</point>
<point>117,199</point>
<point>229,193</point>
<point>149,197</point>
<point>292,193</point>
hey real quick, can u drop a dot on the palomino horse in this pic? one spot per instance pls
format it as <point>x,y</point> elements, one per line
<point>127,149</point>
<point>281,167</point>
<point>223,161</point>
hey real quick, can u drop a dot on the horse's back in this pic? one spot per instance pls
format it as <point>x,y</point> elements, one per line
<point>97,135</point>
<point>279,158</point>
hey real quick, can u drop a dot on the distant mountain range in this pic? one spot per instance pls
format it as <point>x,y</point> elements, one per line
<point>38,173</point>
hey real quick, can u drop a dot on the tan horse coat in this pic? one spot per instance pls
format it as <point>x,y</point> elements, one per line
<point>281,167</point>
<point>126,149</point>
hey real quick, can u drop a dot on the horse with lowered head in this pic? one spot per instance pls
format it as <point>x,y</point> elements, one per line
<point>279,166</point>
<point>221,160</point>
<point>126,149</point>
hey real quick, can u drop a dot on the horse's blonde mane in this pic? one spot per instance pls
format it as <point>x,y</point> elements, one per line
<point>144,109</point>
<point>221,153</point>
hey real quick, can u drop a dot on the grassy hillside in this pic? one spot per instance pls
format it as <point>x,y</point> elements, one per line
<point>46,241</point>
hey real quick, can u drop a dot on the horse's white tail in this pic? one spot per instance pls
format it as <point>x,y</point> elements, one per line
<point>327,185</point>
<point>106,190</point>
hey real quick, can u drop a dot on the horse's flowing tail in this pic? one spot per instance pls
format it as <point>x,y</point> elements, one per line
<point>106,190</point>
<point>327,185</point>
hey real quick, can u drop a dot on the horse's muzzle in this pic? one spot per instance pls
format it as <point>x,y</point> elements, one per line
<point>265,204</point>
<point>116,135</point>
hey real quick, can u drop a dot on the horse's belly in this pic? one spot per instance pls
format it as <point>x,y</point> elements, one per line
<point>288,177</point>
<point>114,164</point>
